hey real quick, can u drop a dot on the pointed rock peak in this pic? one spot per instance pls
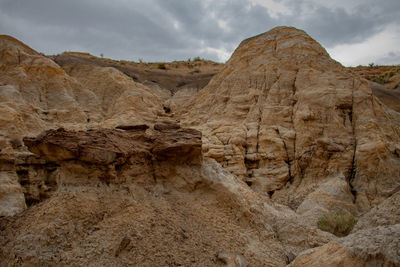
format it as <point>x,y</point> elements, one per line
<point>282,113</point>
<point>282,43</point>
<point>277,32</point>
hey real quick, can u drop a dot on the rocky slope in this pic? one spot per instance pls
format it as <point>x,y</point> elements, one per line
<point>168,76</point>
<point>388,76</point>
<point>295,124</point>
<point>104,163</point>
<point>385,83</point>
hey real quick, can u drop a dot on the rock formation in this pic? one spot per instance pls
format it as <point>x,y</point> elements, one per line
<point>100,166</point>
<point>37,94</point>
<point>370,247</point>
<point>296,125</point>
<point>108,156</point>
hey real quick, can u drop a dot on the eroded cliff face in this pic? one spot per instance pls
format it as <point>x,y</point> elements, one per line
<point>37,94</point>
<point>98,167</point>
<point>144,196</point>
<point>296,125</point>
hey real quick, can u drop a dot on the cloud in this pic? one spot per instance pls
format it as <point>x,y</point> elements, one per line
<point>274,8</point>
<point>164,30</point>
<point>97,26</point>
<point>391,58</point>
<point>339,25</point>
<point>380,48</point>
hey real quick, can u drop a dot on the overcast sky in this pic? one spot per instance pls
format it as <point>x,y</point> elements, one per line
<point>353,31</point>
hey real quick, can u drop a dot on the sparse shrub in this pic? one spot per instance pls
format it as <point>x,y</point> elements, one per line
<point>161,66</point>
<point>385,77</point>
<point>371,64</point>
<point>196,59</point>
<point>339,223</point>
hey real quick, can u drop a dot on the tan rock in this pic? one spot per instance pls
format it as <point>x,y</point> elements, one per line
<point>103,146</point>
<point>387,213</point>
<point>286,118</point>
<point>332,195</point>
<point>12,200</point>
<point>276,221</point>
<point>37,94</point>
<point>36,90</point>
<point>282,135</point>
<point>104,169</point>
<point>332,254</point>
<point>117,156</point>
<point>371,247</point>
<point>121,100</point>
<point>232,260</point>
<point>390,97</point>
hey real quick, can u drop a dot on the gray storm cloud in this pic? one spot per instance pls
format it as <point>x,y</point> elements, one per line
<point>164,30</point>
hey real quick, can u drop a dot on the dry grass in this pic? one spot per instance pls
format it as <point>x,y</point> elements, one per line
<point>385,77</point>
<point>339,223</point>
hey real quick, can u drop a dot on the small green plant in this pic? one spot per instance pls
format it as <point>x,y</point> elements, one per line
<point>385,77</point>
<point>339,223</point>
<point>196,59</point>
<point>161,66</point>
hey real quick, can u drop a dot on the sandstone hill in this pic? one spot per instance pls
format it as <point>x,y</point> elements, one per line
<point>114,163</point>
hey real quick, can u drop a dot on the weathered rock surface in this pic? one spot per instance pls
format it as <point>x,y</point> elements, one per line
<point>232,260</point>
<point>167,81</point>
<point>295,124</point>
<point>37,94</point>
<point>387,213</point>
<point>121,99</point>
<point>387,76</point>
<point>114,197</point>
<point>105,164</point>
<point>331,254</point>
<point>378,246</point>
<point>391,98</point>
<point>105,146</point>
<point>114,155</point>
<point>12,200</point>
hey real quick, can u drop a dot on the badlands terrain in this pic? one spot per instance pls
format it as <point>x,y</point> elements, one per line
<point>196,163</point>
